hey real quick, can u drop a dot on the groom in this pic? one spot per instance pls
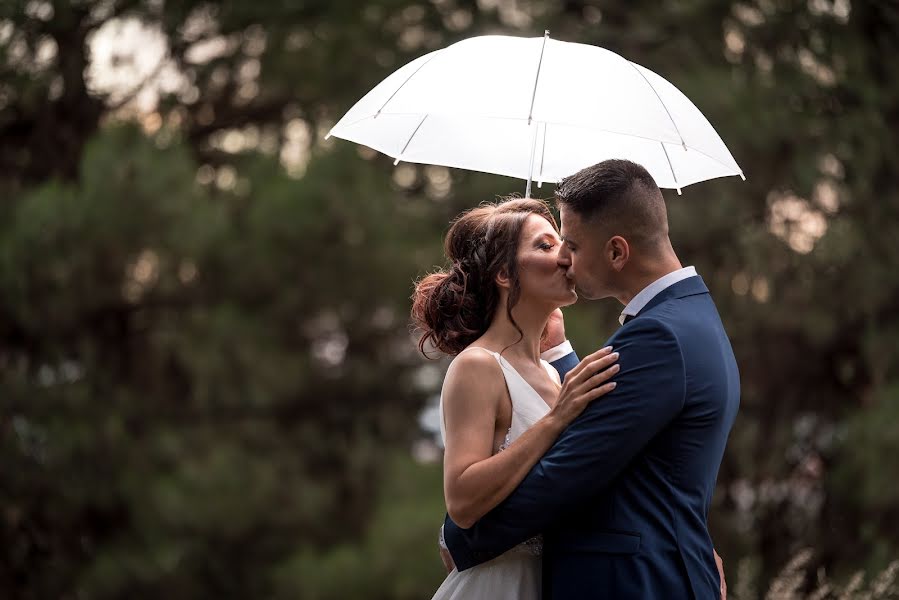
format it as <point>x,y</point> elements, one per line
<point>623,495</point>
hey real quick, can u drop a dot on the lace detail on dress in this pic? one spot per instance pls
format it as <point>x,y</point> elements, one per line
<point>506,441</point>
<point>533,546</point>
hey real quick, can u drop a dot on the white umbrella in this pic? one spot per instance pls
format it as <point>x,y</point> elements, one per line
<point>538,109</point>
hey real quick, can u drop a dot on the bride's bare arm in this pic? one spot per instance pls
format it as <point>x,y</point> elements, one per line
<point>474,479</point>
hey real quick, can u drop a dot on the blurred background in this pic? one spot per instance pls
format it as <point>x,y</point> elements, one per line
<point>208,383</point>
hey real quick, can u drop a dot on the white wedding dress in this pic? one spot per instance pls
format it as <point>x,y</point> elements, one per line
<point>515,575</point>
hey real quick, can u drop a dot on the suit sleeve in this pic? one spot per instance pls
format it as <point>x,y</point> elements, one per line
<point>592,451</point>
<point>565,364</point>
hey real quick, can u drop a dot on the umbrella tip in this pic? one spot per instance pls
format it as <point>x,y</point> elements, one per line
<point>396,162</point>
<point>328,135</point>
<point>546,33</point>
<point>743,177</point>
<point>679,193</point>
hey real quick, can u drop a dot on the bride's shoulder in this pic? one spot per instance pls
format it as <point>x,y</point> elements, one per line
<point>474,376</point>
<point>475,357</point>
<point>474,366</point>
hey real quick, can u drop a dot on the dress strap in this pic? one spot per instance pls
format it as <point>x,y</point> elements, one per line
<point>552,372</point>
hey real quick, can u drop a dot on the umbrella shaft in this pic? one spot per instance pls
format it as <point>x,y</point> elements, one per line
<point>527,191</point>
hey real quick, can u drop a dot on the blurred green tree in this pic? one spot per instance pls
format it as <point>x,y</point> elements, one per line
<point>206,375</point>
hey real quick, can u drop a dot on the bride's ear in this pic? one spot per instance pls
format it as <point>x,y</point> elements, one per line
<point>503,280</point>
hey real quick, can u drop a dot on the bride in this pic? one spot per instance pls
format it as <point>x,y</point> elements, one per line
<point>500,407</point>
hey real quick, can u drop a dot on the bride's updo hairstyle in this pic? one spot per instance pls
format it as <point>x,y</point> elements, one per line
<point>454,306</point>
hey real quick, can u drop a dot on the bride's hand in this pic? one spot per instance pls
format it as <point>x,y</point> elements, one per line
<point>584,383</point>
<point>447,559</point>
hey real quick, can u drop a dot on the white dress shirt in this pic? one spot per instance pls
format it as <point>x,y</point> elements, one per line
<point>557,352</point>
<point>652,290</point>
<point>633,307</point>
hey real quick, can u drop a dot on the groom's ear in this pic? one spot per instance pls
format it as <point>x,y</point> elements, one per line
<point>618,251</point>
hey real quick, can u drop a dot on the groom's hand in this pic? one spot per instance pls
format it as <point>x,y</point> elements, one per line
<point>554,334</point>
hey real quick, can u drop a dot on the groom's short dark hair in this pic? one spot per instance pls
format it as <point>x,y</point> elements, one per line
<point>621,197</point>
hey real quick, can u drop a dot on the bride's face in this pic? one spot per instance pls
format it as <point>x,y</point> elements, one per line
<point>539,273</point>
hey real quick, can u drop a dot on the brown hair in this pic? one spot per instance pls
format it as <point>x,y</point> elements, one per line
<point>621,197</point>
<point>454,306</point>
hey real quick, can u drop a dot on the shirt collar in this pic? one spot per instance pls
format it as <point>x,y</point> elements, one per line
<point>652,290</point>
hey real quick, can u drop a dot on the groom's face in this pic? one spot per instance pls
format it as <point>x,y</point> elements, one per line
<point>582,256</point>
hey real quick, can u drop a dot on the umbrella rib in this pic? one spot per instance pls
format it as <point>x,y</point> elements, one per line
<point>537,77</point>
<point>670,166</point>
<point>356,122</point>
<point>710,157</point>
<point>668,112</point>
<point>409,141</point>
<point>396,91</point>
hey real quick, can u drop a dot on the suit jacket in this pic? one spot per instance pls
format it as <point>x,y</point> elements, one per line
<point>622,497</point>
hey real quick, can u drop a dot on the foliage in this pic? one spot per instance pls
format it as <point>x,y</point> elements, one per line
<point>206,373</point>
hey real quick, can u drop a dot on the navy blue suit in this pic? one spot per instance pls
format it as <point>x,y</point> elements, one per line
<point>623,495</point>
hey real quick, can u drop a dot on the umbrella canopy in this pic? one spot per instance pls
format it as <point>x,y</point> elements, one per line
<point>538,109</point>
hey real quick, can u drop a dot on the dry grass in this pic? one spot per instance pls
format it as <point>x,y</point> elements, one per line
<point>792,583</point>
